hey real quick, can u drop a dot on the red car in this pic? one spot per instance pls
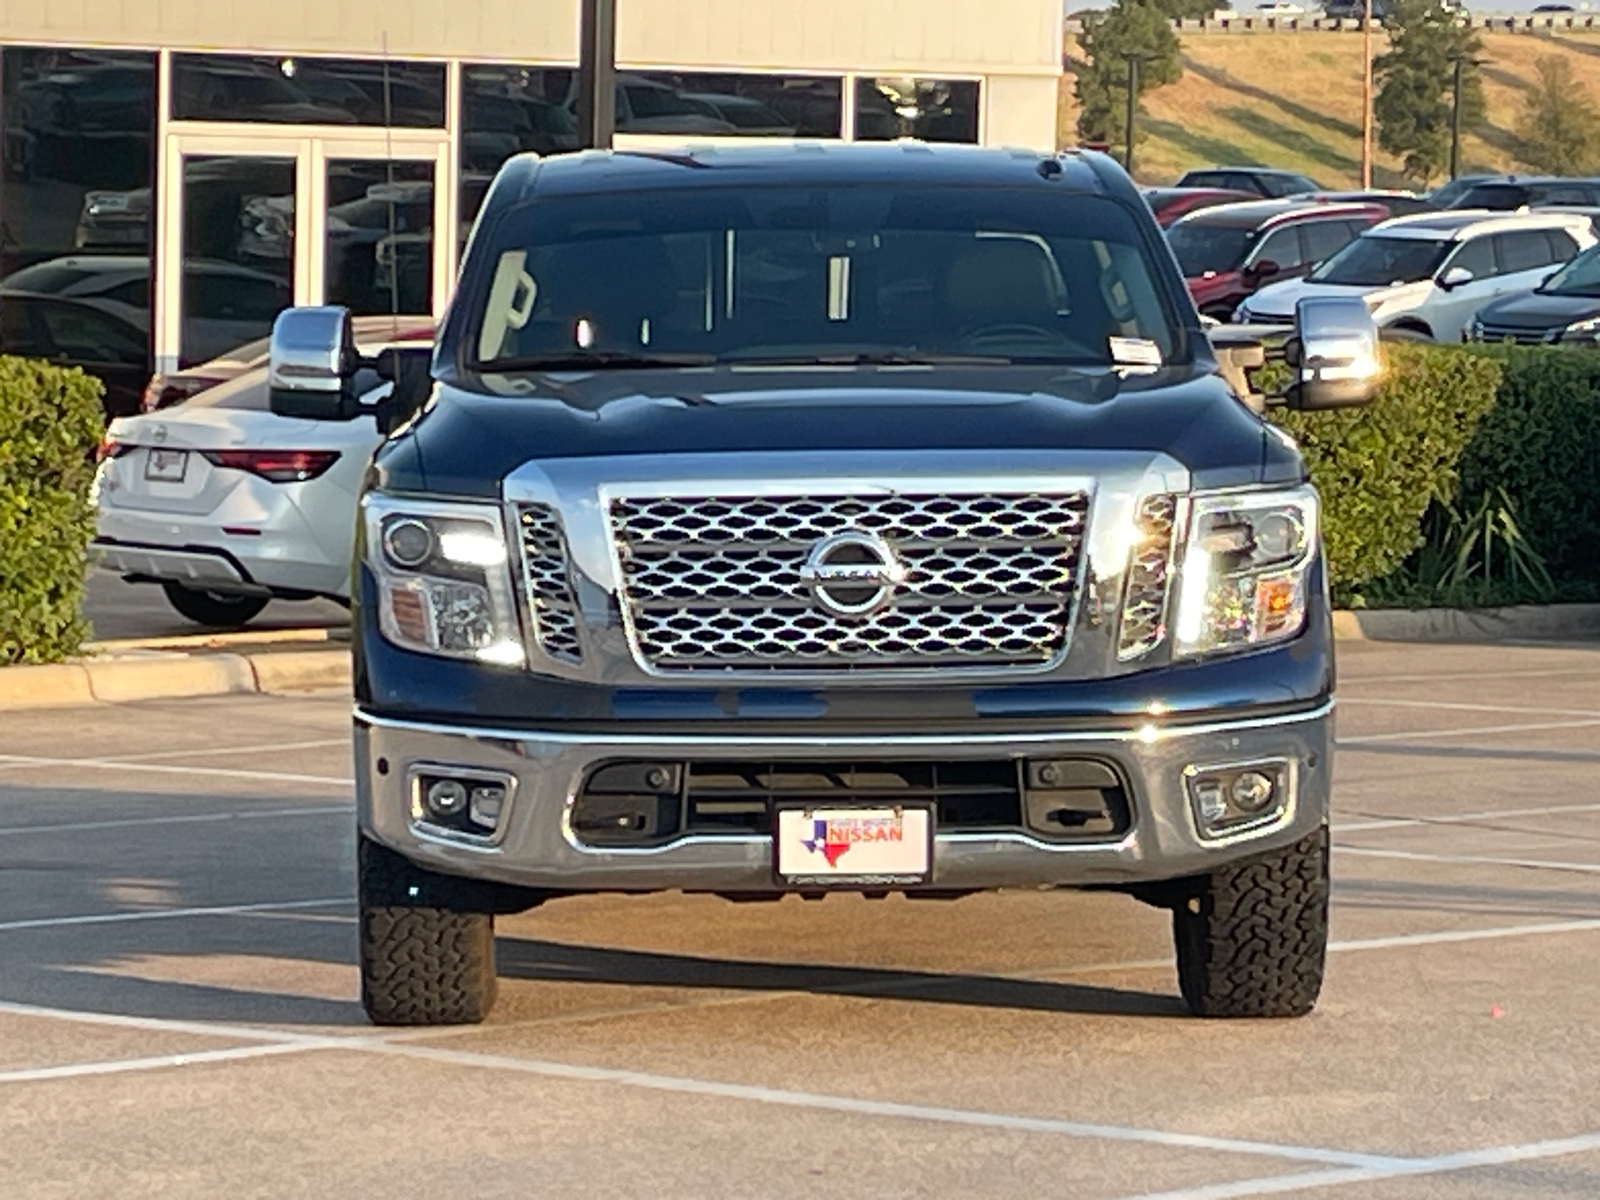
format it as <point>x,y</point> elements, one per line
<point>1168,204</point>
<point>1227,252</point>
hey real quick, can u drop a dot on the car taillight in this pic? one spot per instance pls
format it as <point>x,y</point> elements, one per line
<point>163,391</point>
<point>277,466</point>
<point>110,449</point>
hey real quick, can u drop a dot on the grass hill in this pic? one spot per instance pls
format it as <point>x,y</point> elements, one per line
<point>1294,100</point>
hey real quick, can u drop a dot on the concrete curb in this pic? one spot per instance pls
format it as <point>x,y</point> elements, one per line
<point>152,676</point>
<point>1545,622</point>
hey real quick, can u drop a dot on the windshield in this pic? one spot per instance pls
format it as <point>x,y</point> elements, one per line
<point>1580,277</point>
<point>1376,261</point>
<point>1204,249</point>
<point>819,274</point>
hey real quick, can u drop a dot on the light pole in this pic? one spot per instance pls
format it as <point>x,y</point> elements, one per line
<point>1458,61</point>
<point>597,74</point>
<point>1366,96</point>
<point>1133,58</point>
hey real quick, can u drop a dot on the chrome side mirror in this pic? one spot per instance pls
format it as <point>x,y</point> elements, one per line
<point>311,365</point>
<point>1334,354</point>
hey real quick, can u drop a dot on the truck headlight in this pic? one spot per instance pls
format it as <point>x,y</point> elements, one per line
<point>1243,581</point>
<point>443,575</point>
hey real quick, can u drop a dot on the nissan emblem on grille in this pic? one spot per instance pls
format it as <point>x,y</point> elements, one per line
<point>861,580</point>
<point>852,574</point>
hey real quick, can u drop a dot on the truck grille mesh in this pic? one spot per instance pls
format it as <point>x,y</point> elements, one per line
<point>1522,336</point>
<point>717,582</point>
<point>1144,604</point>
<point>548,582</point>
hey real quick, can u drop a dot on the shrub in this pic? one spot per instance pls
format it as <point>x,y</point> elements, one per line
<point>1540,446</point>
<point>50,422</point>
<point>1380,467</point>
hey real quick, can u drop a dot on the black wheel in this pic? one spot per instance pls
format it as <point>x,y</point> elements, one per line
<point>220,610</point>
<point>1405,333</point>
<point>421,964</point>
<point>1251,939</point>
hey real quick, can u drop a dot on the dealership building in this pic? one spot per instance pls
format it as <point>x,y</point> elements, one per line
<point>177,172</point>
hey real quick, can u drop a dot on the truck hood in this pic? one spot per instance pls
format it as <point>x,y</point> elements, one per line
<point>468,439</point>
<point>1539,310</point>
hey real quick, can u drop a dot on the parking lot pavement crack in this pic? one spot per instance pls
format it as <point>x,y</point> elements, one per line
<point>856,1106</point>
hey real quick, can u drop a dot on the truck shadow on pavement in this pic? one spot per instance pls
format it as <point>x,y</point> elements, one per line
<point>525,959</point>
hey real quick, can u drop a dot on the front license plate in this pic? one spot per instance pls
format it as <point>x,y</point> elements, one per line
<point>166,466</point>
<point>832,847</point>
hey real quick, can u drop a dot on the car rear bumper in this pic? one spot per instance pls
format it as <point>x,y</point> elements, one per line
<point>193,566</point>
<point>535,845</point>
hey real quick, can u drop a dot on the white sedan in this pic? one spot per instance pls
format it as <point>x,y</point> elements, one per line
<point>228,506</point>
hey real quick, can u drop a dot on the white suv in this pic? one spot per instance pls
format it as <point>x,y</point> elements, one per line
<point>1427,276</point>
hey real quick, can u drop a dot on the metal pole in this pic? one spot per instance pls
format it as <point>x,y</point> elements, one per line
<point>597,74</point>
<point>1366,97</point>
<point>1455,119</point>
<point>1133,101</point>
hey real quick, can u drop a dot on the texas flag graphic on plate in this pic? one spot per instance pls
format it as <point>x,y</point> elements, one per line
<point>852,844</point>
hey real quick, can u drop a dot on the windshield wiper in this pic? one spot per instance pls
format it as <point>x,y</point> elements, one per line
<point>875,358</point>
<point>592,360</point>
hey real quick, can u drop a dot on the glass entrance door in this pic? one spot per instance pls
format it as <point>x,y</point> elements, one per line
<point>251,223</point>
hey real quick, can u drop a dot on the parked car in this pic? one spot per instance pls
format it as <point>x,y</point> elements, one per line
<point>167,388</point>
<point>79,333</point>
<point>1279,8</point>
<point>1168,204</point>
<point>1259,181</point>
<point>1395,203</point>
<point>228,506</point>
<point>1509,194</point>
<point>1565,308</point>
<point>1426,277</point>
<point>1228,252</point>
<point>1446,194</point>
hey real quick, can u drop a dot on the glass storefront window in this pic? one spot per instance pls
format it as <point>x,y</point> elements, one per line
<point>289,90</point>
<point>379,244</point>
<point>76,211</point>
<point>934,110</point>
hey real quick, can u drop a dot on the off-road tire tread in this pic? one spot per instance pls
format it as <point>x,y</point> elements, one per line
<point>1252,939</point>
<point>420,965</point>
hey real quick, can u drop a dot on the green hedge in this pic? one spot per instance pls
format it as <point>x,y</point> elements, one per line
<point>1540,445</point>
<point>1380,467</point>
<point>50,423</point>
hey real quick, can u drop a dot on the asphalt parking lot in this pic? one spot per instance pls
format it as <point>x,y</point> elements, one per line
<point>178,1007</point>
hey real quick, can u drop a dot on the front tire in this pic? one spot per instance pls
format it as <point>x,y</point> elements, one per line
<point>219,610</point>
<point>421,964</point>
<point>1252,937</point>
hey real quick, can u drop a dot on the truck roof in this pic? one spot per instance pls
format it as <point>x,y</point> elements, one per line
<point>907,163</point>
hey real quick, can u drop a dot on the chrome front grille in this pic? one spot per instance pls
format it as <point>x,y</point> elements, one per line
<point>1521,335</point>
<point>547,579</point>
<point>1144,603</point>
<point>980,579</point>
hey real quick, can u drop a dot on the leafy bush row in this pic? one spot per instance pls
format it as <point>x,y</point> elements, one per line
<point>50,422</point>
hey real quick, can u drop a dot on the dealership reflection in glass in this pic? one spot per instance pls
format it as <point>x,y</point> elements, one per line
<point>75,229</point>
<point>296,90</point>
<point>934,110</point>
<point>379,245</point>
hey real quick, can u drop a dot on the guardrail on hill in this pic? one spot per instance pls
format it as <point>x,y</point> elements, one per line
<point>1494,22</point>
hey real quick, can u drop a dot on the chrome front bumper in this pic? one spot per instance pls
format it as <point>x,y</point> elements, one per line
<point>536,847</point>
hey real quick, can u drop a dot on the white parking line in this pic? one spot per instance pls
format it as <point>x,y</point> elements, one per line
<point>111,764</point>
<point>206,752</point>
<point>160,914</point>
<point>1467,1160</point>
<point>1472,859</point>
<point>124,1066</point>
<point>1504,814</point>
<point>271,814</point>
<point>1412,735</point>
<point>1346,678</point>
<point>243,1033</point>
<point>1455,706</point>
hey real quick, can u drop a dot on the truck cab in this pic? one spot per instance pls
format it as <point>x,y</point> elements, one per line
<point>811,519</point>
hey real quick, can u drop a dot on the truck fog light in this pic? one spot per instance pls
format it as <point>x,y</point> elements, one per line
<point>1251,791</point>
<point>447,797</point>
<point>1229,799</point>
<point>487,802</point>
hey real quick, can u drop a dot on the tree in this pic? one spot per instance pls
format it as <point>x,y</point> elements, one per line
<point>1132,27</point>
<point>1559,129</point>
<point>1412,107</point>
